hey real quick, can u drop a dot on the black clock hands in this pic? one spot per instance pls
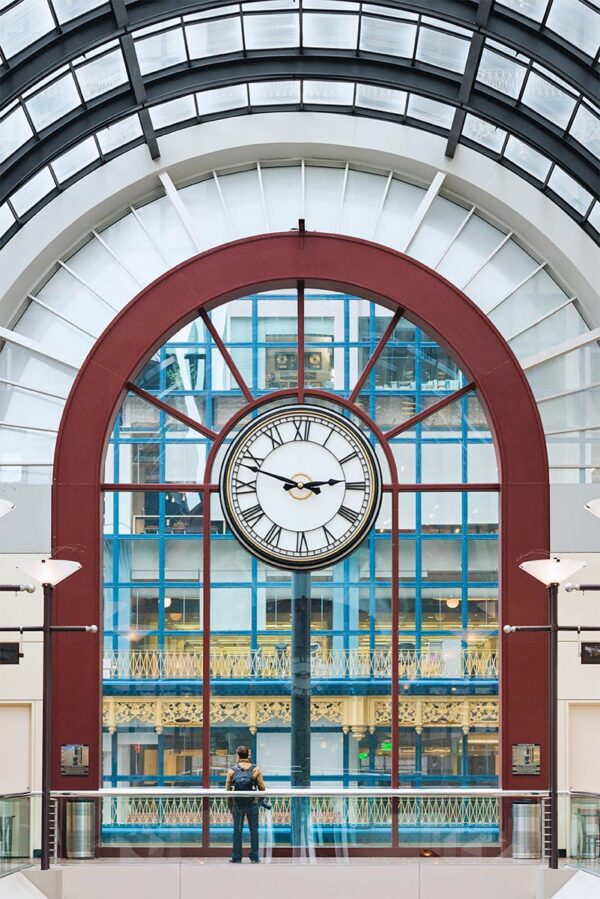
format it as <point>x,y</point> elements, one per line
<point>330,483</point>
<point>288,483</point>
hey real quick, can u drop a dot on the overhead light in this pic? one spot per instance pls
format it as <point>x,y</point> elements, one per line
<point>5,507</point>
<point>168,601</point>
<point>552,571</point>
<point>49,571</point>
<point>594,507</point>
<point>452,602</point>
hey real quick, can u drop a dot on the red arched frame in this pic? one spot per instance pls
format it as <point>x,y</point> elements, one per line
<point>333,263</point>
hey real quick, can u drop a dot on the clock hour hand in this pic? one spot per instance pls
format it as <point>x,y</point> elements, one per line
<point>310,485</point>
<point>288,483</point>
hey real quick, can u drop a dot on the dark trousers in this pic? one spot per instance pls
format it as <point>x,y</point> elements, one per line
<point>240,812</point>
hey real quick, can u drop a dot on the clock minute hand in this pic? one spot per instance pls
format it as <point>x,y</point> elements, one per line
<point>330,483</point>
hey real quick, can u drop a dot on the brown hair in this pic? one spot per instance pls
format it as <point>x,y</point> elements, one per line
<point>243,752</point>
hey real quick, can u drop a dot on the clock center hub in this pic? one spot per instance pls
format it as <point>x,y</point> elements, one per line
<point>299,492</point>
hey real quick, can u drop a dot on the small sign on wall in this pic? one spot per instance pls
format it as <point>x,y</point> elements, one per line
<point>590,653</point>
<point>74,759</point>
<point>526,758</point>
<point>10,653</point>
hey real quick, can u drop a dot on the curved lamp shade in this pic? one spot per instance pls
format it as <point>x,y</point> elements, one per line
<point>552,571</point>
<point>5,506</point>
<point>50,571</point>
<point>594,507</point>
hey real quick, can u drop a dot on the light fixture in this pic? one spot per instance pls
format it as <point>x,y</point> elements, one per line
<point>452,602</point>
<point>594,507</point>
<point>168,601</point>
<point>552,571</point>
<point>49,571</point>
<point>5,507</point>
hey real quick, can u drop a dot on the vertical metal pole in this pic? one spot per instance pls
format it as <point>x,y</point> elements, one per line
<point>552,721</point>
<point>300,702</point>
<point>46,726</point>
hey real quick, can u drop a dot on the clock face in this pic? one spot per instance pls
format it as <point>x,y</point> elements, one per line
<point>300,487</point>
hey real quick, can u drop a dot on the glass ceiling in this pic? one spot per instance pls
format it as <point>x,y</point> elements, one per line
<point>82,112</point>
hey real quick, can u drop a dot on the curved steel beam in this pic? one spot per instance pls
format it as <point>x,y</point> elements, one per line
<point>292,65</point>
<point>77,37</point>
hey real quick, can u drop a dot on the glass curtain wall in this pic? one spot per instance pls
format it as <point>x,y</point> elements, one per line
<point>403,632</point>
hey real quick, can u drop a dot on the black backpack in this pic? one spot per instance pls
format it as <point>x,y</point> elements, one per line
<point>243,780</point>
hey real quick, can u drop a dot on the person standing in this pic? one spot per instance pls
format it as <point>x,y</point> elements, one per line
<point>244,776</point>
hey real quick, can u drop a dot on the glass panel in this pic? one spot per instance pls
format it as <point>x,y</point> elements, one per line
<point>102,75</point>
<point>500,73</point>
<point>527,158</point>
<point>67,10</point>
<point>483,560</point>
<point>75,160</point>
<point>119,134</point>
<point>165,114</point>
<point>578,410</point>
<point>32,191</point>
<point>484,133</point>
<point>577,23</point>
<point>483,608</point>
<point>222,98</point>
<point>533,299</point>
<point>214,38</point>
<point>571,370</point>
<point>391,38</point>
<point>339,94</point>
<point>132,246</point>
<point>282,30</point>
<point>499,277</point>
<point>477,240</point>
<point>161,51</point>
<point>533,9</point>
<point>567,188</point>
<point>322,30</point>
<point>441,222</point>
<point>440,49</point>
<point>274,92</point>
<point>7,219</point>
<point>586,129</point>
<point>380,98</point>
<point>548,99</point>
<point>430,111</point>
<point>557,328</point>
<point>441,560</point>
<point>24,24</point>
<point>15,130</point>
<point>53,102</point>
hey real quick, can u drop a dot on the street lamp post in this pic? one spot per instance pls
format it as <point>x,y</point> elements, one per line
<point>551,573</point>
<point>49,572</point>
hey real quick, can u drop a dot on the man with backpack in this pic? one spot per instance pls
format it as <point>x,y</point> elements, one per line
<point>244,776</point>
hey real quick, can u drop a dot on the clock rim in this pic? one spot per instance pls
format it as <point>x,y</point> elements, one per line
<point>336,555</point>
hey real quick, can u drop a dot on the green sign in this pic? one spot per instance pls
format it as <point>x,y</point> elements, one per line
<point>363,755</point>
<point>386,747</point>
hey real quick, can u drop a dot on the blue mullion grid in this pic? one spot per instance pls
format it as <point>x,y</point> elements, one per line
<point>370,394</point>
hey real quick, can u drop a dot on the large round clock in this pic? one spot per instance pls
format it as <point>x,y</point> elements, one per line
<point>300,487</point>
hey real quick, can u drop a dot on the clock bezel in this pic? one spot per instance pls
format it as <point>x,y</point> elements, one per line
<point>337,553</point>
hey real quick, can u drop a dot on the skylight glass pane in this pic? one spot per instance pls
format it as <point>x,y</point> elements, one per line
<point>557,328</point>
<point>15,130</point>
<point>222,98</point>
<point>23,25</point>
<point>161,51</point>
<point>102,75</point>
<point>532,9</point>
<point>76,159</point>
<point>430,111</point>
<point>274,92</point>
<point>69,9</point>
<point>173,111</point>
<point>381,99</point>
<point>586,130</point>
<point>442,50</point>
<point>282,30</point>
<point>572,192</point>
<point>594,217</point>
<point>119,134</point>
<point>501,74</point>
<point>214,38</point>
<point>484,133</point>
<point>338,93</point>
<point>7,219</point>
<point>33,191</point>
<point>391,38</point>
<point>548,99</point>
<point>577,23</point>
<point>527,158</point>
<point>53,102</point>
<point>322,30</point>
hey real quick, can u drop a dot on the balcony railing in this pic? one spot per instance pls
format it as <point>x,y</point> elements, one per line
<point>151,664</point>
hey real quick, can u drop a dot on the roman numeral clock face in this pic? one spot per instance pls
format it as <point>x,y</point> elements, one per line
<point>300,487</point>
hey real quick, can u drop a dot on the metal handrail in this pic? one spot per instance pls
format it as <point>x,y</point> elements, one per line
<point>307,792</point>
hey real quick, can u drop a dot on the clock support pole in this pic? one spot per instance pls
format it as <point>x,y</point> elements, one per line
<point>300,705</point>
